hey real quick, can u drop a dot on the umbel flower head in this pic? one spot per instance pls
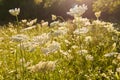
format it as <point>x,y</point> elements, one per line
<point>77,11</point>
<point>98,14</point>
<point>14,12</point>
<point>43,66</point>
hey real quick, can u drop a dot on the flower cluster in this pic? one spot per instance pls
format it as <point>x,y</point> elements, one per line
<point>14,12</point>
<point>77,11</point>
<point>43,66</point>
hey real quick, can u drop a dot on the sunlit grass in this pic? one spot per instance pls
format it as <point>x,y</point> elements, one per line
<point>79,49</point>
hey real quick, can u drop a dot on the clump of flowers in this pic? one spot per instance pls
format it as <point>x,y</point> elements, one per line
<point>43,66</point>
<point>19,38</point>
<point>54,46</point>
<point>32,22</point>
<point>77,11</point>
<point>41,39</point>
<point>82,30</point>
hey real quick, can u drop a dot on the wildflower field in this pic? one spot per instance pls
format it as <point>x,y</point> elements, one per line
<point>78,49</point>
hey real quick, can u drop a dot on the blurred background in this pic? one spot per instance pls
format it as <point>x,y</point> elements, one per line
<point>42,9</point>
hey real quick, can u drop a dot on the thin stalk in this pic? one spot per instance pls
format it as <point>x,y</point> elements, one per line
<point>61,18</point>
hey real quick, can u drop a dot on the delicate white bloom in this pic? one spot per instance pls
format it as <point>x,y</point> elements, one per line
<point>20,37</point>
<point>64,52</point>
<point>30,46</point>
<point>54,46</point>
<point>109,27</point>
<point>82,52</point>
<point>77,10</point>
<point>98,22</point>
<point>41,39</point>
<point>89,57</point>
<point>60,31</point>
<point>43,66</point>
<point>45,50</point>
<point>88,39</point>
<point>32,22</point>
<point>111,54</point>
<point>81,21</point>
<point>28,28</point>
<point>55,23</point>
<point>97,14</point>
<point>24,21</point>
<point>63,24</point>
<point>118,70</point>
<point>14,12</point>
<point>54,17</point>
<point>82,30</point>
<point>44,23</point>
<point>75,47</point>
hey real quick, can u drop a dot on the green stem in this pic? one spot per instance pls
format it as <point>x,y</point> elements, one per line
<point>17,19</point>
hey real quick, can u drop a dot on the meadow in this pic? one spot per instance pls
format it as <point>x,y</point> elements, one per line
<point>78,49</point>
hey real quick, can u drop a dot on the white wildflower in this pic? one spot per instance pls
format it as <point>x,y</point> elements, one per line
<point>82,52</point>
<point>81,21</point>
<point>55,23</point>
<point>88,39</point>
<point>54,17</point>
<point>45,50</point>
<point>41,39</point>
<point>97,14</point>
<point>54,46</point>
<point>89,57</point>
<point>75,47</point>
<point>77,10</point>
<point>32,22</point>
<point>82,30</point>
<point>60,31</point>
<point>111,54</point>
<point>27,46</point>
<point>24,21</point>
<point>44,23</point>
<point>20,37</point>
<point>64,52</point>
<point>43,66</point>
<point>14,12</point>
<point>63,24</point>
<point>118,70</point>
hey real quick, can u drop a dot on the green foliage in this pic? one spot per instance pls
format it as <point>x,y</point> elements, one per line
<point>106,5</point>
